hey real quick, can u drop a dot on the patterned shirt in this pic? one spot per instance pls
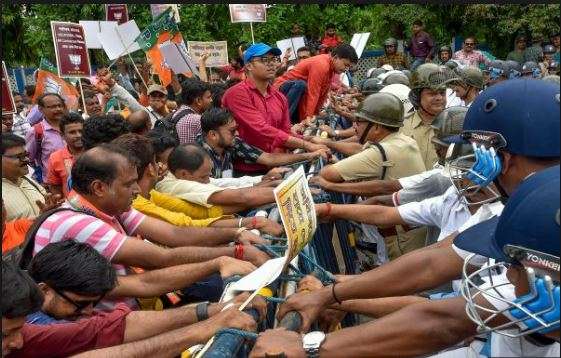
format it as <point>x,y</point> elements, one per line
<point>52,141</point>
<point>397,61</point>
<point>224,165</point>
<point>473,58</point>
<point>188,126</point>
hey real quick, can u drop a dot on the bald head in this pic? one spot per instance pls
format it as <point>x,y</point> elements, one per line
<point>139,122</point>
<point>99,163</point>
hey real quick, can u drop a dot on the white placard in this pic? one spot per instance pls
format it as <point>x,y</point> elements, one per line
<point>92,29</point>
<point>248,12</point>
<point>118,41</point>
<point>177,58</point>
<point>359,42</point>
<point>294,43</point>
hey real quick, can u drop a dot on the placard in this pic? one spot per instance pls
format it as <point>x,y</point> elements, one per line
<point>248,12</point>
<point>92,29</point>
<point>359,42</point>
<point>294,43</point>
<point>217,50</point>
<point>72,57</point>
<point>176,58</point>
<point>8,104</point>
<point>119,40</point>
<point>157,9</point>
<point>116,12</point>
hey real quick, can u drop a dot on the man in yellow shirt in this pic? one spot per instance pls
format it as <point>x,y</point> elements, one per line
<point>141,148</point>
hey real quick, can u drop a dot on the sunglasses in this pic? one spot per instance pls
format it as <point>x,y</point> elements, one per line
<point>469,43</point>
<point>267,60</point>
<point>80,306</point>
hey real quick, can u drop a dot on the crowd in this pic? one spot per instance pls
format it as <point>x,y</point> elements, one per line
<point>122,219</point>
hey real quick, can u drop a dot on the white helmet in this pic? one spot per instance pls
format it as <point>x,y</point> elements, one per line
<point>388,67</point>
<point>401,92</point>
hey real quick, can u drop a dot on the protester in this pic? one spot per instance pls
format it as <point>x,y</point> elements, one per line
<point>196,98</point>
<point>307,84</point>
<point>61,161</point>
<point>92,104</point>
<point>157,109</point>
<point>44,138</point>
<point>330,39</point>
<point>103,129</point>
<point>468,55</point>
<point>519,52</point>
<point>391,57</point>
<point>219,139</point>
<point>534,53</point>
<point>421,45</point>
<point>139,122</point>
<point>260,110</point>
<point>23,196</point>
<point>235,69</point>
<point>20,124</point>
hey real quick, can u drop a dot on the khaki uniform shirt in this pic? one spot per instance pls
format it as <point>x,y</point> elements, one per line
<point>403,159</point>
<point>415,128</point>
<point>191,191</point>
<point>19,198</point>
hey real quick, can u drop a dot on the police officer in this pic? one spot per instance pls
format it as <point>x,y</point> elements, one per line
<point>531,69</point>
<point>468,85</point>
<point>391,57</point>
<point>497,71</point>
<point>428,96</point>
<point>387,154</point>
<point>444,55</point>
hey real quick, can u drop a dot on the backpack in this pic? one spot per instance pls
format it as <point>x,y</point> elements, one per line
<point>168,124</point>
<point>21,255</point>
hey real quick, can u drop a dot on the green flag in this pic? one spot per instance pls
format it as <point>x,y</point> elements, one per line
<point>47,66</point>
<point>163,23</point>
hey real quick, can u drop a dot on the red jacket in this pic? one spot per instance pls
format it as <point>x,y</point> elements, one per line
<point>318,72</point>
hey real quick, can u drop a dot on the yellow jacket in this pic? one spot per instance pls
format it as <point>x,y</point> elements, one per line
<point>194,211</point>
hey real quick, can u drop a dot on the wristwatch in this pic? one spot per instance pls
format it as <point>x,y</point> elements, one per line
<point>312,342</point>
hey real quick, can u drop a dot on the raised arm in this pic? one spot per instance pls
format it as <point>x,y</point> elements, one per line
<point>244,197</point>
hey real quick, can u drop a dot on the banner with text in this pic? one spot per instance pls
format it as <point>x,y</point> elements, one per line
<point>116,12</point>
<point>217,50</point>
<point>72,55</point>
<point>248,12</point>
<point>8,104</point>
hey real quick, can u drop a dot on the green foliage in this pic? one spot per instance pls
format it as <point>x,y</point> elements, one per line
<point>26,32</point>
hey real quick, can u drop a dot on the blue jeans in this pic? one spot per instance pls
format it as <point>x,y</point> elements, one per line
<point>293,90</point>
<point>417,62</point>
<point>207,289</point>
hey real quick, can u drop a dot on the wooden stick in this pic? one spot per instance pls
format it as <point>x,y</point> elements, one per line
<point>83,99</point>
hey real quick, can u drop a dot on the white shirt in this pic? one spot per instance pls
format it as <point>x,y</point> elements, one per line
<point>236,183</point>
<point>414,180</point>
<point>452,99</point>
<point>448,212</point>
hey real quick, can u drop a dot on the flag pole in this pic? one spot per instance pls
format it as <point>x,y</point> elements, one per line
<point>130,57</point>
<point>82,94</point>
<point>251,28</point>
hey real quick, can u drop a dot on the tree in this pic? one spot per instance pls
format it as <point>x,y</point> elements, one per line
<point>26,32</point>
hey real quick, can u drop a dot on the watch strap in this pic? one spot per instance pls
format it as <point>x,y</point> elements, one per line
<point>202,311</point>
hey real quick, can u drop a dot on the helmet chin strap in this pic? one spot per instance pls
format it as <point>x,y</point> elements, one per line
<point>365,133</point>
<point>504,196</point>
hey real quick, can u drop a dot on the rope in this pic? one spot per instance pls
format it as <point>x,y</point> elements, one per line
<point>330,278</point>
<point>245,334</point>
<point>274,299</point>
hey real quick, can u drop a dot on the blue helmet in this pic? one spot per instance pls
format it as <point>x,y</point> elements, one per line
<point>527,235</point>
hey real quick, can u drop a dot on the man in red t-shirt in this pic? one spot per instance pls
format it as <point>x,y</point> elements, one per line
<point>306,86</point>
<point>330,40</point>
<point>61,161</point>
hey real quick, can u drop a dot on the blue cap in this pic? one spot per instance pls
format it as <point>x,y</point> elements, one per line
<point>526,113</point>
<point>530,219</point>
<point>259,49</point>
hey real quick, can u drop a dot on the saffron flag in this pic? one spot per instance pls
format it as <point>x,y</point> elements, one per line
<point>48,82</point>
<point>161,30</point>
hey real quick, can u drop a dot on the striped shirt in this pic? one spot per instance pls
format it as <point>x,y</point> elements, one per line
<point>100,234</point>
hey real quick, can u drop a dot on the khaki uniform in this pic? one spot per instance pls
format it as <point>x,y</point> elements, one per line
<point>403,154</point>
<point>415,128</point>
<point>404,159</point>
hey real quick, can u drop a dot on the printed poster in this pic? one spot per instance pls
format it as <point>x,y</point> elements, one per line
<point>248,12</point>
<point>116,12</point>
<point>157,9</point>
<point>72,57</point>
<point>217,50</point>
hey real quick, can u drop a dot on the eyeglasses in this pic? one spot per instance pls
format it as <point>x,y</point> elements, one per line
<point>267,60</point>
<point>22,157</point>
<point>469,43</point>
<point>80,306</point>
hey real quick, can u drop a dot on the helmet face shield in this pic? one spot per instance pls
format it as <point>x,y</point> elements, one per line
<point>472,167</point>
<point>537,310</point>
